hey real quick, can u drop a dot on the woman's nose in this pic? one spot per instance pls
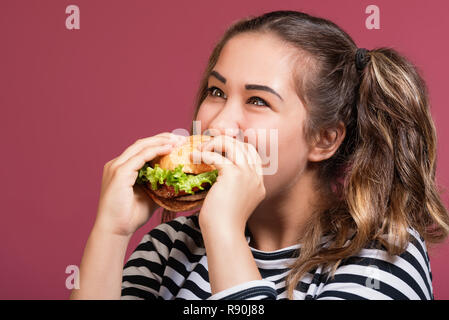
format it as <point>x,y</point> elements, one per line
<point>227,122</point>
<point>226,131</point>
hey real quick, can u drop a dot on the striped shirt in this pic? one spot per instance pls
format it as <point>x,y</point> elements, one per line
<point>171,263</point>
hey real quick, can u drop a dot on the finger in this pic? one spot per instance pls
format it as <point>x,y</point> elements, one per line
<point>246,147</point>
<point>131,167</point>
<point>240,151</point>
<point>255,160</point>
<point>252,154</point>
<point>213,158</point>
<point>228,145</point>
<point>157,140</point>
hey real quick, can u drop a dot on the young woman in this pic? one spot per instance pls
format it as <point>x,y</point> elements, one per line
<point>347,214</point>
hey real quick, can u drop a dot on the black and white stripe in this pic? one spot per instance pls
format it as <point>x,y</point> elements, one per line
<point>170,263</point>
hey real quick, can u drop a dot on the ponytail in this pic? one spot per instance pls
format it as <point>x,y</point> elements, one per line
<point>391,185</point>
<point>389,182</point>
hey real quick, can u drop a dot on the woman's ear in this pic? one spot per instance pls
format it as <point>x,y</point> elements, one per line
<point>326,143</point>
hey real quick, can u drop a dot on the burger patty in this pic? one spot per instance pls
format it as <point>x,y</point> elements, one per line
<point>165,191</point>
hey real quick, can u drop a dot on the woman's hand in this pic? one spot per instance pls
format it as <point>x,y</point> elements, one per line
<point>124,207</point>
<point>239,187</point>
<point>228,205</point>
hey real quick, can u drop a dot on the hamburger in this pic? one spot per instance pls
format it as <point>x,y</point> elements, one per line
<point>174,181</point>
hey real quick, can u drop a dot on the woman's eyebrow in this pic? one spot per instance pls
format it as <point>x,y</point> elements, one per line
<point>247,86</point>
<point>218,76</point>
<point>261,87</point>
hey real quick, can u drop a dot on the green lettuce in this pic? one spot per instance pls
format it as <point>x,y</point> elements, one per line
<point>176,178</point>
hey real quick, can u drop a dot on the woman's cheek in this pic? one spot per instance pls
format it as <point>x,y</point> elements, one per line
<point>275,182</point>
<point>204,117</point>
<point>291,163</point>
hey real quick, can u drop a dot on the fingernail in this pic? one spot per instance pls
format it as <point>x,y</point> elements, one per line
<point>201,145</point>
<point>177,141</point>
<point>180,143</point>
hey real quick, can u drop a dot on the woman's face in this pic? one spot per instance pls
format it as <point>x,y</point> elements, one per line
<point>232,107</point>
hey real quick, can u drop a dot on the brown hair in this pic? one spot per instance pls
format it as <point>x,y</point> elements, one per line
<point>381,180</point>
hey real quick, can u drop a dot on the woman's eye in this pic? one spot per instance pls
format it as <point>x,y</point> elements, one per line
<point>258,101</point>
<point>214,91</point>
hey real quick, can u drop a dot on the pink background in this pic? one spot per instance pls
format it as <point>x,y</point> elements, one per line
<point>71,100</point>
